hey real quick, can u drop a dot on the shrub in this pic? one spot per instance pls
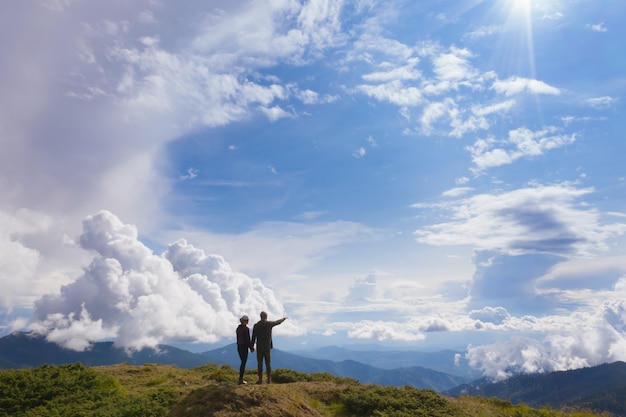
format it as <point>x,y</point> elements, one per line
<point>383,401</point>
<point>70,389</point>
<point>283,376</point>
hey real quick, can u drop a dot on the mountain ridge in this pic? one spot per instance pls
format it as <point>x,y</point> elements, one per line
<point>597,387</point>
<point>601,387</point>
<point>22,350</point>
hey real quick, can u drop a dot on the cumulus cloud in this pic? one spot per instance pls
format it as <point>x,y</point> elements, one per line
<point>363,289</point>
<point>379,330</point>
<point>18,262</point>
<point>537,219</point>
<point>586,340</point>
<point>454,65</point>
<point>495,315</point>
<point>140,299</point>
<point>36,256</point>
<point>520,143</point>
<point>434,87</point>
<point>394,92</point>
<point>517,85</point>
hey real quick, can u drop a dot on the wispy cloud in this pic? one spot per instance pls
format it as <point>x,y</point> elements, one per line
<point>517,85</point>
<point>597,27</point>
<point>484,31</point>
<point>359,153</point>
<point>191,174</point>
<point>602,102</point>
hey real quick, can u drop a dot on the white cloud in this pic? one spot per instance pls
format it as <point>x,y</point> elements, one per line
<point>406,85</point>
<point>436,111</point>
<point>35,257</point>
<point>495,315</point>
<point>581,341</point>
<point>275,113</point>
<point>521,143</point>
<point>141,299</point>
<point>363,289</point>
<point>404,72</point>
<point>602,102</point>
<point>191,174</point>
<point>259,33</point>
<point>279,251</point>
<point>454,65</point>
<point>484,31</point>
<point>380,331</point>
<point>456,192</point>
<point>359,153</point>
<point>552,16</point>
<point>18,262</point>
<point>394,92</point>
<point>308,96</point>
<point>539,219</point>
<point>501,107</point>
<point>371,43</point>
<point>598,27</point>
<point>517,85</point>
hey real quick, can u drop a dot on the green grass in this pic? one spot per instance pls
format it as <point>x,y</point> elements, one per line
<point>160,390</point>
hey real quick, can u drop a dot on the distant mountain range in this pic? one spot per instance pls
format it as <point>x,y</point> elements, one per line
<point>601,388</point>
<point>417,376</point>
<point>447,361</point>
<point>22,350</point>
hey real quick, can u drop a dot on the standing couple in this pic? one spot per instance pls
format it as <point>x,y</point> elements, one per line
<point>262,336</point>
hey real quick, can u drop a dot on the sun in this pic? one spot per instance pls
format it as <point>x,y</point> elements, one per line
<point>520,10</point>
<point>521,7</point>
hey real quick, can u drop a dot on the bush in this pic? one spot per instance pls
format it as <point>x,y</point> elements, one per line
<point>284,376</point>
<point>381,401</point>
<point>76,390</point>
<point>69,389</point>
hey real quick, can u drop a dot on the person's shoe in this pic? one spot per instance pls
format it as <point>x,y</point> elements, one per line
<point>259,382</point>
<point>241,382</point>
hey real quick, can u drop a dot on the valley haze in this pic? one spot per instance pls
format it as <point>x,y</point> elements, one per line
<point>394,175</point>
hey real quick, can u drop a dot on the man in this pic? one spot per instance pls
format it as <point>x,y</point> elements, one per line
<point>243,344</point>
<point>262,335</point>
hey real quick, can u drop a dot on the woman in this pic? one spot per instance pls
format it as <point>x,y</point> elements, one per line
<point>243,344</point>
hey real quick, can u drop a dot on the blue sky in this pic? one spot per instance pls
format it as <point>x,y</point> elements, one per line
<point>401,174</point>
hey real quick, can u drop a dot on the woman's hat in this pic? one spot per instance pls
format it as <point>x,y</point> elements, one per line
<point>244,318</point>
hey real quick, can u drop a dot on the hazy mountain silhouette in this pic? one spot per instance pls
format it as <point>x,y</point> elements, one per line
<point>23,350</point>
<point>447,361</point>
<point>416,376</point>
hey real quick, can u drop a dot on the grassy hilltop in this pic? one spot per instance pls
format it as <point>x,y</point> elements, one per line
<point>159,390</point>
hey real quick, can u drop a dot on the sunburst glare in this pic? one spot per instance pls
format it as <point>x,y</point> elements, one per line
<point>522,10</point>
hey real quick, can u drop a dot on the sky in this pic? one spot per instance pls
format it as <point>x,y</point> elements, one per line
<point>399,174</point>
